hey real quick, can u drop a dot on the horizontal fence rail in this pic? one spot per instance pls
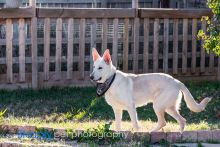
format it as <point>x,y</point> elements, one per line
<point>44,47</point>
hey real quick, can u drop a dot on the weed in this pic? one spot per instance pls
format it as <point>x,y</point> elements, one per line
<point>101,135</point>
<point>44,134</point>
<point>2,113</point>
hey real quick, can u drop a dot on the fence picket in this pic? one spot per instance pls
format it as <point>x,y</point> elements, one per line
<point>156,45</point>
<point>125,44</point>
<point>93,40</point>
<point>104,34</point>
<point>166,41</point>
<point>34,53</point>
<point>115,42</point>
<point>9,61</point>
<point>82,48</point>
<point>70,49</point>
<point>175,46</point>
<point>136,44</point>
<point>194,43</point>
<point>185,45</point>
<point>46,48</point>
<point>211,61</point>
<point>202,59</point>
<point>21,50</point>
<point>58,48</point>
<point>146,44</point>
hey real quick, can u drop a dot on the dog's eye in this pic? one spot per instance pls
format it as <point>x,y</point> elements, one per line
<point>100,68</point>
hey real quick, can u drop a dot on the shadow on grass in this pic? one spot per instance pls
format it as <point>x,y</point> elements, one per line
<point>60,104</point>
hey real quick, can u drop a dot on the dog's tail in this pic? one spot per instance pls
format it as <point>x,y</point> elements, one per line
<point>191,103</point>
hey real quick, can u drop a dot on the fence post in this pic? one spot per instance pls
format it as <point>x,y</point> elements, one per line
<point>34,45</point>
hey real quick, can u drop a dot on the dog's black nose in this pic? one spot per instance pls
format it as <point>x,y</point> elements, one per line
<point>91,77</point>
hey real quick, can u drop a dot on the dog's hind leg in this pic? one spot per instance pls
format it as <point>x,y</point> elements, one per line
<point>159,105</point>
<point>161,122</point>
<point>118,117</point>
<point>175,114</point>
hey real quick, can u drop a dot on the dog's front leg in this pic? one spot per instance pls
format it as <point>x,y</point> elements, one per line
<point>118,117</point>
<point>134,119</point>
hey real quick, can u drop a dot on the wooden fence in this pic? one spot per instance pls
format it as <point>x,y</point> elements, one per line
<point>52,47</point>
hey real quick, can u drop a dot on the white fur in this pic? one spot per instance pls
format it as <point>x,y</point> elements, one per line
<point>129,91</point>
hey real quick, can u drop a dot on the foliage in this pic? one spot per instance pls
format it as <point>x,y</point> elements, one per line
<point>44,134</point>
<point>211,39</point>
<point>2,113</point>
<point>100,135</point>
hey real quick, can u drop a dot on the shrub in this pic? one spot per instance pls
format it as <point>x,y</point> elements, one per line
<point>211,39</point>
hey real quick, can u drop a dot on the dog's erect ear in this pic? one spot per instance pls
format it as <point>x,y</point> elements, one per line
<point>95,54</point>
<point>107,56</point>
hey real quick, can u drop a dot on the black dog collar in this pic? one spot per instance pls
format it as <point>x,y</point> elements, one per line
<point>103,87</point>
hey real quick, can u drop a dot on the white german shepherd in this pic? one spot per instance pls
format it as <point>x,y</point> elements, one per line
<point>129,91</point>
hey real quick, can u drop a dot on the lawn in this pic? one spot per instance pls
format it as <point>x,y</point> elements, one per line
<point>78,108</point>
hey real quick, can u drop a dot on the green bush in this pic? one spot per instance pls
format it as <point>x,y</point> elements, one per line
<point>211,38</point>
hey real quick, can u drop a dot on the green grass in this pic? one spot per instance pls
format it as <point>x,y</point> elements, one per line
<point>79,107</point>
